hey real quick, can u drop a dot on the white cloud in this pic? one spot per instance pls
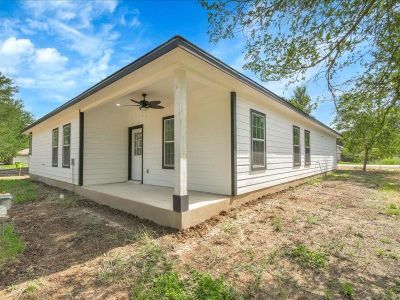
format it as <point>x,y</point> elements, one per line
<point>82,13</point>
<point>16,47</point>
<point>50,58</point>
<point>75,50</point>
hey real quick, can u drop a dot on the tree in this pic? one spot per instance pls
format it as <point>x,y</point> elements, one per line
<point>302,100</point>
<point>13,118</point>
<point>370,123</point>
<point>286,39</point>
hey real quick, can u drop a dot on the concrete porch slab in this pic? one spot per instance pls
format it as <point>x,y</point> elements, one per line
<point>153,195</point>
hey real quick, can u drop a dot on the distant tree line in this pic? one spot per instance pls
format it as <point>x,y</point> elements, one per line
<point>13,119</point>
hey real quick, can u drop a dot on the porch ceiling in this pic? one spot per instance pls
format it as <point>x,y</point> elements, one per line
<point>152,195</point>
<point>161,90</point>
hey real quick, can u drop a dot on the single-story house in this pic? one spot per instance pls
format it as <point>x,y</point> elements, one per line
<point>22,157</point>
<point>176,137</point>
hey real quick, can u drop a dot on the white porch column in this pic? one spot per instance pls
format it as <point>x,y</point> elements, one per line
<point>180,197</point>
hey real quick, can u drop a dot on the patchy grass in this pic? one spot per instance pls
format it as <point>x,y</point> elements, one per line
<point>277,223</point>
<point>11,167</point>
<point>347,290</point>
<point>11,245</point>
<point>266,249</point>
<point>229,227</point>
<point>387,254</point>
<point>31,291</point>
<point>384,161</point>
<point>312,220</point>
<point>152,276</point>
<point>309,258</point>
<point>393,210</point>
<point>22,190</point>
<point>65,200</point>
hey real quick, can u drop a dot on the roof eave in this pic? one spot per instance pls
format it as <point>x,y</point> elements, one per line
<point>171,44</point>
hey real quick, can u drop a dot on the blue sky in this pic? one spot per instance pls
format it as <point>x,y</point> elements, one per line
<point>54,50</point>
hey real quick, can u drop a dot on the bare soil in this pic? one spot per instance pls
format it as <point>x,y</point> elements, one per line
<point>343,215</point>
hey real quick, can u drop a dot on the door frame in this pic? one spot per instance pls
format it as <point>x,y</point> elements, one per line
<point>130,150</point>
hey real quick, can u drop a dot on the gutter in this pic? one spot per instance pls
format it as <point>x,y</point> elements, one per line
<point>171,44</point>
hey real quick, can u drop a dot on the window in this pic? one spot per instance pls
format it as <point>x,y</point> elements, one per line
<point>137,138</point>
<point>257,140</point>
<point>296,146</point>
<point>168,142</point>
<point>30,143</point>
<point>66,146</point>
<point>54,144</point>
<point>307,152</point>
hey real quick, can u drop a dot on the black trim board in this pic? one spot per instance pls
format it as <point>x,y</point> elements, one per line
<point>130,150</point>
<point>162,141</point>
<point>252,168</point>
<point>171,44</point>
<point>233,145</point>
<point>180,203</point>
<point>81,145</point>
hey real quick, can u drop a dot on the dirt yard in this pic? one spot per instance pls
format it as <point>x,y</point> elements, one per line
<point>331,238</point>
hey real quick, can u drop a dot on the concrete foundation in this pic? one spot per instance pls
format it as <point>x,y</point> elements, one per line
<point>155,203</point>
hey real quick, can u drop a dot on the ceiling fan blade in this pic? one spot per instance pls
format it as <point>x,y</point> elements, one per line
<point>138,102</point>
<point>154,102</point>
<point>130,105</point>
<point>157,107</point>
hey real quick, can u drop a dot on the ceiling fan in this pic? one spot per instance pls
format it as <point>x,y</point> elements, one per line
<point>144,104</point>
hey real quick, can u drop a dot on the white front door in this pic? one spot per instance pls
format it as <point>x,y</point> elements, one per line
<point>137,152</point>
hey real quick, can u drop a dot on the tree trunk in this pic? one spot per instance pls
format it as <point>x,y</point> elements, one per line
<point>366,150</point>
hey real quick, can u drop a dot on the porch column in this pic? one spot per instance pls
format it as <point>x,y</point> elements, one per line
<point>180,197</point>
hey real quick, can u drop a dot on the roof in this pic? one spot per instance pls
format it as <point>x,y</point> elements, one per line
<point>171,44</point>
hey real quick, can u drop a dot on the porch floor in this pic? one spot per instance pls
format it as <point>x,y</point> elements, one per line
<point>153,195</point>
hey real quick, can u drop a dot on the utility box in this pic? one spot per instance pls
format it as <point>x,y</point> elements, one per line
<point>5,200</point>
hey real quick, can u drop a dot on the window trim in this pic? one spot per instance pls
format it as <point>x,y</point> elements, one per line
<point>163,143</point>
<point>63,147</point>
<point>257,168</point>
<point>299,145</point>
<point>30,143</point>
<point>52,146</point>
<point>307,162</point>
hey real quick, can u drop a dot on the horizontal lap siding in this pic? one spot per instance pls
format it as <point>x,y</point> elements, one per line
<point>106,144</point>
<point>279,149</point>
<point>208,143</point>
<point>41,158</point>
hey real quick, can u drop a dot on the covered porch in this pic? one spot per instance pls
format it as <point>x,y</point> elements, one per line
<point>132,162</point>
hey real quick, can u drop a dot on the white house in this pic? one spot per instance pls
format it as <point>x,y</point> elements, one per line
<point>220,139</point>
<point>22,157</point>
